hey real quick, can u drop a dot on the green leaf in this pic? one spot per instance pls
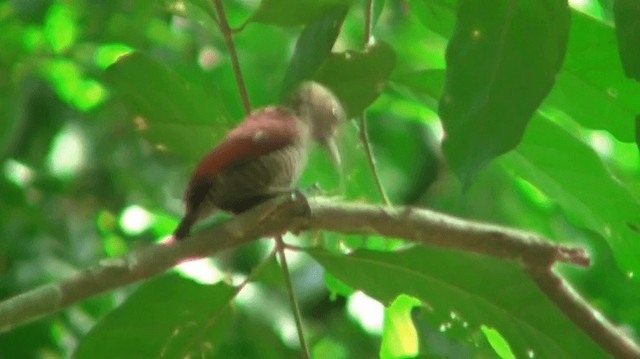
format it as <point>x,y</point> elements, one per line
<point>498,343</point>
<point>570,173</point>
<point>60,27</point>
<point>378,7</point>
<point>329,348</point>
<point>497,51</point>
<point>155,91</point>
<point>299,12</point>
<point>168,317</point>
<point>67,78</point>
<point>312,48</point>
<point>597,108</point>
<point>336,286</point>
<point>175,115</point>
<point>203,5</point>
<point>270,274</point>
<point>475,290</point>
<point>592,87</point>
<point>200,11</point>
<point>399,338</point>
<point>252,337</point>
<point>358,78</point>
<point>426,84</point>
<point>627,17</point>
<point>436,15</point>
<point>567,170</point>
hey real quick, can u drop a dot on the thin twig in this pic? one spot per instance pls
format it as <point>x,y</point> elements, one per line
<point>226,32</point>
<point>292,296</point>
<point>364,135</point>
<point>368,14</point>
<point>364,138</point>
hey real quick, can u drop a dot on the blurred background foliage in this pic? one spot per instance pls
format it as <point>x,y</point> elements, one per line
<point>95,155</point>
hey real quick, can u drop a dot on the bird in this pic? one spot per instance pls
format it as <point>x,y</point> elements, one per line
<point>264,156</point>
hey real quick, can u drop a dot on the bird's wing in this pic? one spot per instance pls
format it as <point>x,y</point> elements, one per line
<point>262,132</point>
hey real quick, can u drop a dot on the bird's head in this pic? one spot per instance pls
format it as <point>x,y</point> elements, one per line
<point>321,110</point>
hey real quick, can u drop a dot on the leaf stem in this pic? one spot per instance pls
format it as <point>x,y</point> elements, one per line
<point>226,32</point>
<point>280,245</point>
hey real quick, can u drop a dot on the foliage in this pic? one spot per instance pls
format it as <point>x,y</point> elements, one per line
<point>105,106</point>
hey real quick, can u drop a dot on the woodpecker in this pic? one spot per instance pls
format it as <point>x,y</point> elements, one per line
<point>263,156</point>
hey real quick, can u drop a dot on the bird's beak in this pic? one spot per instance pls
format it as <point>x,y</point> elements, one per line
<point>332,147</point>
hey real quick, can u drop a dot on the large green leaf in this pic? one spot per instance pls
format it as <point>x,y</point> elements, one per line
<point>478,290</point>
<point>568,171</point>
<point>253,338</point>
<point>591,107</point>
<point>595,110</point>
<point>312,48</point>
<point>168,317</point>
<point>438,15</point>
<point>592,88</point>
<point>425,84</point>
<point>358,78</point>
<point>501,62</point>
<point>174,114</point>
<point>399,338</point>
<point>291,13</point>
<point>573,176</point>
<point>627,17</point>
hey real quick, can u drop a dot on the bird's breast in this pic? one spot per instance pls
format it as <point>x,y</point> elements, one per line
<point>242,186</point>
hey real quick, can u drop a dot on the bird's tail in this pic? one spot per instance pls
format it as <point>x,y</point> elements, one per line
<point>183,229</point>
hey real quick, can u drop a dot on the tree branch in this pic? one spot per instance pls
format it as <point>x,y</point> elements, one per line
<point>420,226</point>
<point>150,261</point>
<point>583,315</point>
<point>437,229</point>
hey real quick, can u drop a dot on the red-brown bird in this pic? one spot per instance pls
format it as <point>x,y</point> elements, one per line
<point>263,156</point>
